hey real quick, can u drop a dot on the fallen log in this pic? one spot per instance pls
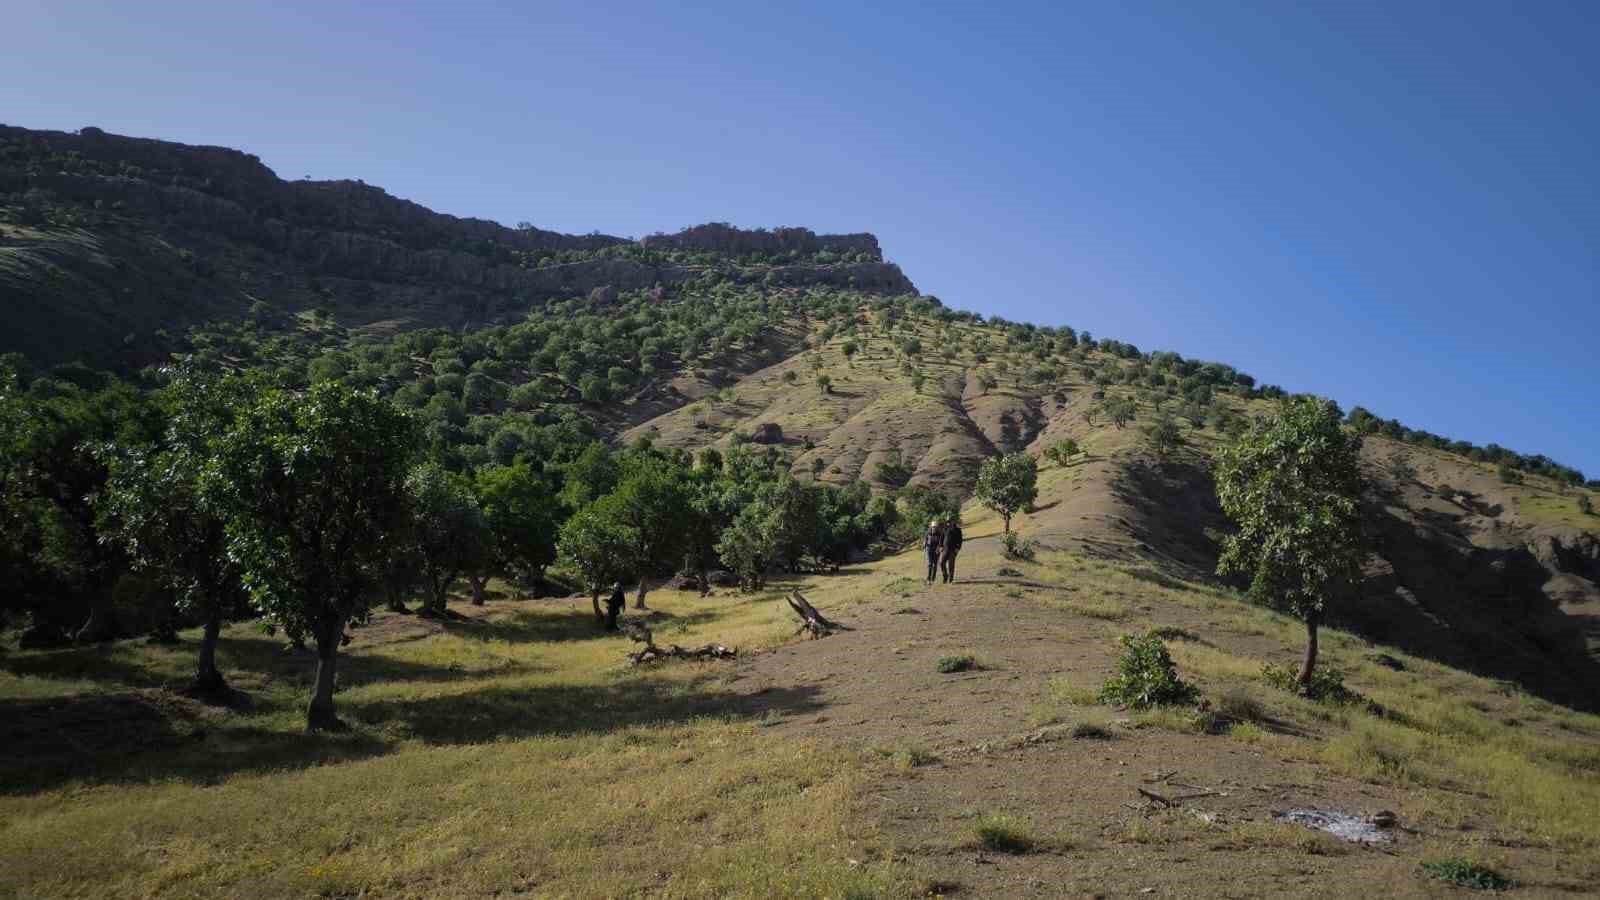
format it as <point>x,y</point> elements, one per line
<point>811,620</point>
<point>651,653</point>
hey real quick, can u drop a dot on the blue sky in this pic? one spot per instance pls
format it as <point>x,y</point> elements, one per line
<point>1393,204</point>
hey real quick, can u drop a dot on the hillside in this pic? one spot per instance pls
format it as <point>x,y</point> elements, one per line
<point>505,747</point>
<point>106,240</point>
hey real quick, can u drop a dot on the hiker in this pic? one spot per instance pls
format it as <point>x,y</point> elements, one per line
<point>948,550</point>
<point>618,599</point>
<point>932,543</point>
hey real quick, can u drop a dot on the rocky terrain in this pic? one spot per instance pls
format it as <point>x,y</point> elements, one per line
<point>106,240</point>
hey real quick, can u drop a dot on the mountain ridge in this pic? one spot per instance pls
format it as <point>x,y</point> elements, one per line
<point>115,238</point>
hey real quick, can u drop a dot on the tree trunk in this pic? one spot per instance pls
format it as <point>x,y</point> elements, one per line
<point>638,599</point>
<point>397,602</point>
<point>594,597</point>
<point>1006,519</point>
<point>1310,663</point>
<point>477,582</point>
<point>207,678</point>
<point>320,714</point>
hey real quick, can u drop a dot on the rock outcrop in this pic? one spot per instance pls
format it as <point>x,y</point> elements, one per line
<point>118,237</point>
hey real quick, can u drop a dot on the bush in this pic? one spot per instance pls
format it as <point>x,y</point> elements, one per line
<point>1004,834</point>
<point>952,664</point>
<point>1326,684</point>
<point>1146,676</point>
<point>1508,475</point>
<point>1585,505</point>
<point>1016,547</point>
<point>1465,873</point>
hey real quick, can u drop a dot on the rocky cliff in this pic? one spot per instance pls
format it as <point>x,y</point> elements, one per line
<point>105,239</point>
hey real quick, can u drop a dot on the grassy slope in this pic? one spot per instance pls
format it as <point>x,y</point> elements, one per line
<point>513,752</point>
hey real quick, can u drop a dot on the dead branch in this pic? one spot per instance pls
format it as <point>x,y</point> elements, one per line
<point>811,620</point>
<point>641,634</point>
<point>1155,796</point>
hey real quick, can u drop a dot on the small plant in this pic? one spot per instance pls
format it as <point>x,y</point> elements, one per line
<point>1091,731</point>
<point>1008,572</point>
<point>952,664</point>
<point>1014,546</point>
<point>1004,834</point>
<point>1465,873</point>
<point>1508,475</point>
<point>1327,685</point>
<point>1062,452</point>
<point>1585,505</point>
<point>1146,676</point>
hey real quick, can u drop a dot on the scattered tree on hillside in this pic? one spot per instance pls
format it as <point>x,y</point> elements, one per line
<point>448,530</point>
<point>309,485</point>
<point>1293,485</point>
<point>1164,436</point>
<point>1007,484</point>
<point>653,500</point>
<point>151,504</point>
<point>598,546</point>
<point>824,383</point>
<point>522,515</point>
<point>1062,451</point>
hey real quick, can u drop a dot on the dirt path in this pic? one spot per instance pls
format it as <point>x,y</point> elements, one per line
<point>957,747</point>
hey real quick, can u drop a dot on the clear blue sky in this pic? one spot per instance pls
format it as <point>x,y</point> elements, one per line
<point>1394,204</point>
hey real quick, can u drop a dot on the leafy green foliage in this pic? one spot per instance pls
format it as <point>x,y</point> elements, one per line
<point>1146,676</point>
<point>1014,546</point>
<point>1325,684</point>
<point>1004,834</point>
<point>597,544</point>
<point>309,486</point>
<point>1463,872</point>
<point>1293,486</point>
<point>951,664</point>
<point>1164,436</point>
<point>1062,452</point>
<point>522,515</point>
<point>449,531</point>
<point>1008,484</point>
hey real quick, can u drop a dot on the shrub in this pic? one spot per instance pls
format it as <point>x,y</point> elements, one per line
<point>952,664</point>
<point>1508,475</point>
<point>1004,834</point>
<point>1146,676</point>
<point>1326,684</point>
<point>1016,547</point>
<point>1062,452</point>
<point>1585,505</point>
<point>1465,873</point>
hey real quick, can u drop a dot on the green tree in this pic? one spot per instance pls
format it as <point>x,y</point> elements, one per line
<point>653,499</point>
<point>308,486</point>
<point>151,504</point>
<point>1063,451</point>
<point>522,516</point>
<point>598,546</point>
<point>1164,435</point>
<point>1292,483</point>
<point>1007,484</point>
<point>824,383</point>
<point>448,529</point>
<point>850,349</point>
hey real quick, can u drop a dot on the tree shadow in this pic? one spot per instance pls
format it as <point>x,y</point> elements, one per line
<point>496,713</point>
<point>151,736</point>
<point>524,626</point>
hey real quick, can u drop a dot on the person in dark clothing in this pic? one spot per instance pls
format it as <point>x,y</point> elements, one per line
<point>933,544</point>
<point>619,599</point>
<point>948,549</point>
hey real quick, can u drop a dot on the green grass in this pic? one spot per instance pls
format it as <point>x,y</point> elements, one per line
<point>1462,872</point>
<point>465,746</point>
<point>1005,834</point>
<point>952,664</point>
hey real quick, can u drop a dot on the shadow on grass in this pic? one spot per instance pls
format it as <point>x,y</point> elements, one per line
<point>151,736</point>
<point>495,713</point>
<point>524,625</point>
